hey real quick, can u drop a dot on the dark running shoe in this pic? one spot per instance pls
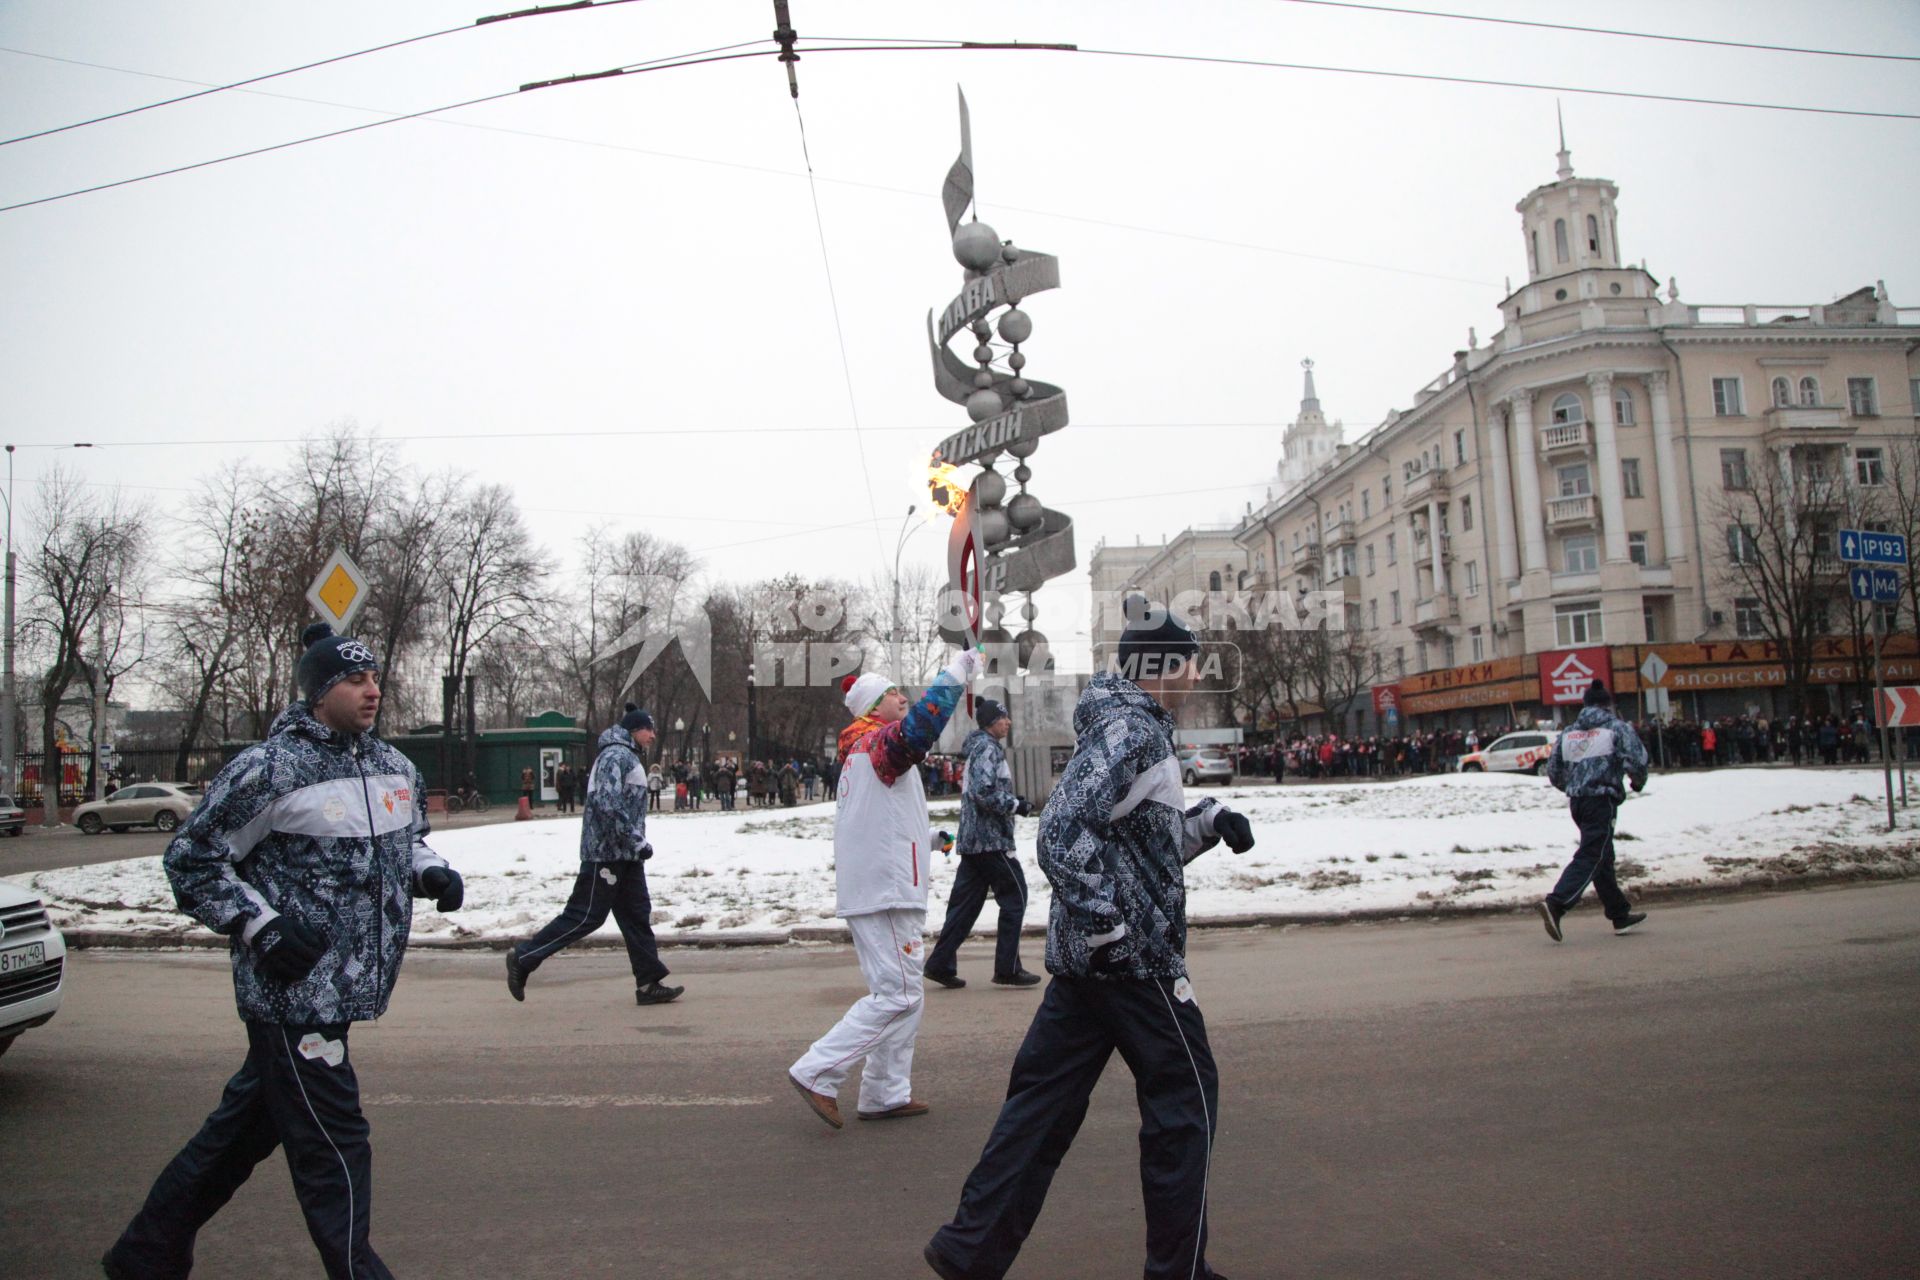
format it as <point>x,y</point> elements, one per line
<point>516,976</point>
<point>944,1269</point>
<point>1020,978</point>
<point>1626,922</point>
<point>657,993</point>
<point>953,980</point>
<point>1550,918</point>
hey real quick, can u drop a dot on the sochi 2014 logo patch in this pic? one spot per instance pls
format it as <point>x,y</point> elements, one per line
<point>356,651</point>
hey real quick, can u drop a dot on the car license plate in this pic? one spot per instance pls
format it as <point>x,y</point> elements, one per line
<point>20,958</point>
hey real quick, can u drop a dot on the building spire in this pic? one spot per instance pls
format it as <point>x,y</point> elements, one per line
<point>1566,159</point>
<point>1309,401</point>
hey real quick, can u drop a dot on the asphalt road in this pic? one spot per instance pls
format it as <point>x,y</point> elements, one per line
<point>1732,1091</point>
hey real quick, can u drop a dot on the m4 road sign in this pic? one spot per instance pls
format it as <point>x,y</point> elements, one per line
<point>1881,586</point>
<point>1864,546</point>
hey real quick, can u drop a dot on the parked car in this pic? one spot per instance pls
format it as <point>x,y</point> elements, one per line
<point>1523,752</point>
<point>144,804</point>
<point>13,819</point>
<point>33,959</point>
<point>1205,764</point>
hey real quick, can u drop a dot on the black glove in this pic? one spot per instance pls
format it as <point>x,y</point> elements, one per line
<point>287,949</point>
<point>1639,785</point>
<point>1022,806</point>
<point>1112,957</point>
<point>444,886</point>
<point>1234,829</point>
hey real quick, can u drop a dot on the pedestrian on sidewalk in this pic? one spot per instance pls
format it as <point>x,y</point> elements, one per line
<point>988,807</point>
<point>1588,762</point>
<point>306,852</point>
<point>613,867</point>
<point>881,855</point>
<point>1114,840</point>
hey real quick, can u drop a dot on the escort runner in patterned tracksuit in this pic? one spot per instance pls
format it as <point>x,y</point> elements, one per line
<point>881,857</point>
<point>1114,838</point>
<point>306,852</point>
<point>988,807</point>
<point>613,867</point>
<point>1588,762</point>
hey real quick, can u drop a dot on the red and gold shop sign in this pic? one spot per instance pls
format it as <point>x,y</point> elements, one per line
<point>1756,664</point>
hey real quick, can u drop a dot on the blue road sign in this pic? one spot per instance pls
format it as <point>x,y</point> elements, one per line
<point>1863,546</point>
<point>1886,586</point>
<point>1860,583</point>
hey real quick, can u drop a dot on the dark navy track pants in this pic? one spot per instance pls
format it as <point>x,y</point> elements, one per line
<point>979,874</point>
<point>602,887</point>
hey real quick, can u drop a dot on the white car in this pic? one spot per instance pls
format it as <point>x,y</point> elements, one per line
<point>32,963</point>
<point>1523,752</point>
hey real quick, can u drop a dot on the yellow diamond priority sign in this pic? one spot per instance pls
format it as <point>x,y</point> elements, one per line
<point>339,590</point>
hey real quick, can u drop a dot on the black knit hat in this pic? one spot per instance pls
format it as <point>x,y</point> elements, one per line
<point>986,711</point>
<point>635,719</point>
<point>1154,643</point>
<point>1596,696</point>
<point>329,659</point>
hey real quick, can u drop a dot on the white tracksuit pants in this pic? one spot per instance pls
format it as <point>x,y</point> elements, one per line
<point>892,948</point>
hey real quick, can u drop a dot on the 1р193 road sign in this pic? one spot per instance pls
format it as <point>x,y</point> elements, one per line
<point>1900,706</point>
<point>1864,546</point>
<point>339,591</point>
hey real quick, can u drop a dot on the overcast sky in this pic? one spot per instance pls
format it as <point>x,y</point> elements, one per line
<point>612,296</point>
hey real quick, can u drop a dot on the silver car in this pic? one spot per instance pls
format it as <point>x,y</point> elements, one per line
<point>144,804</point>
<point>32,962</point>
<point>1205,764</point>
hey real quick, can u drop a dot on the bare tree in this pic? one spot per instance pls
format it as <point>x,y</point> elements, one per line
<point>493,574</point>
<point>406,562</point>
<point>1900,509</point>
<point>216,558</point>
<point>90,547</point>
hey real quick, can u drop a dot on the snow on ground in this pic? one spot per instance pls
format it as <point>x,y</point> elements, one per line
<point>1479,839</point>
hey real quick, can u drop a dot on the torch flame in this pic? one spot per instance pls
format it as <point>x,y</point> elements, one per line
<point>944,488</point>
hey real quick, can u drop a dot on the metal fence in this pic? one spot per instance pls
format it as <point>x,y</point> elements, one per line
<point>76,778</point>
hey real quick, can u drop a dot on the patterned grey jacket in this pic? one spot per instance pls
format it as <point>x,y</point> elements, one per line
<point>613,828</point>
<point>1589,759</point>
<point>987,801</point>
<point>325,829</point>
<point>1114,840</point>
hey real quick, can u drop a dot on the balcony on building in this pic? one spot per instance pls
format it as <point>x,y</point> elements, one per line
<point>1567,437</point>
<point>1422,484</point>
<point>1339,532</point>
<point>1574,512</point>
<point>1807,424</point>
<point>1435,611</point>
<point>1349,583</point>
<point>1421,548</point>
<point>1306,557</point>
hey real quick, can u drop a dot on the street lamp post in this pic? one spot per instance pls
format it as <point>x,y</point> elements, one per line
<point>752,752</point>
<point>9,709</point>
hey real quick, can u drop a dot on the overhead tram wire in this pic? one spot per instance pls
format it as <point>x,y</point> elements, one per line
<point>1608,31</point>
<point>210,90</point>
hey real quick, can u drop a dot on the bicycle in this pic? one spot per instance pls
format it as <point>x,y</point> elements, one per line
<point>466,800</point>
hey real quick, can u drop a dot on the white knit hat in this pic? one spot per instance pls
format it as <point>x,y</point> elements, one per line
<point>864,694</point>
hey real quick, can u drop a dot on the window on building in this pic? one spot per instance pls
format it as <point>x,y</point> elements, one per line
<point>1630,478</point>
<point>1622,407</point>
<point>1726,398</point>
<point>1373,615</point>
<point>1346,562</point>
<point>1213,580</point>
<point>1913,396</point>
<point>1241,581</point>
<point>1578,623</point>
<point>1782,393</point>
<point>1813,466</point>
<point>1296,542</point>
<point>1637,548</point>
<point>1748,622</point>
<point>1580,554</point>
<point>1460,447</point>
<point>1399,662</point>
<point>1369,559</point>
<point>1533,251</point>
<point>1386,489</point>
<point>1559,239</point>
<point>1568,411</point>
<point>1809,393</point>
<point>1869,467</point>
<point>1260,563</point>
<point>1449,654</point>
<point>1863,398</point>
<point>1650,620</point>
<point>1733,469</point>
<point>1393,607</point>
<point>1593,235</point>
<point>1741,547</point>
<point>1477,645</point>
<point>1473,577</point>
<point>1366,503</point>
<point>1466,515</point>
<point>1392,555</point>
<point>1378,664</point>
<point>1575,480</point>
<point>1825,538</point>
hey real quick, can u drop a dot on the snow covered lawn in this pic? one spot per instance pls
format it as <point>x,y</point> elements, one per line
<point>1323,851</point>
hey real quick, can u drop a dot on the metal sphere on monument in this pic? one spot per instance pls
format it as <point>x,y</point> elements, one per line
<point>1016,326</point>
<point>992,526</point>
<point>1025,512</point>
<point>985,403</point>
<point>990,489</point>
<point>976,246</point>
<point>1027,644</point>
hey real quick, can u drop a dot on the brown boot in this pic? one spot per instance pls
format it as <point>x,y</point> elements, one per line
<point>823,1106</point>
<point>901,1112</point>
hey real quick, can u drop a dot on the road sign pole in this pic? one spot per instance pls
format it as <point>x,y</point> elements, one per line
<point>1879,699</point>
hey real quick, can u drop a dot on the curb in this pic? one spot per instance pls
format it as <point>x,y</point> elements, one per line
<point>1752,882</point>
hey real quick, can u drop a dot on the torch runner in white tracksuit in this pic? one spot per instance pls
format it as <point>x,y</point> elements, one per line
<point>881,858</point>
